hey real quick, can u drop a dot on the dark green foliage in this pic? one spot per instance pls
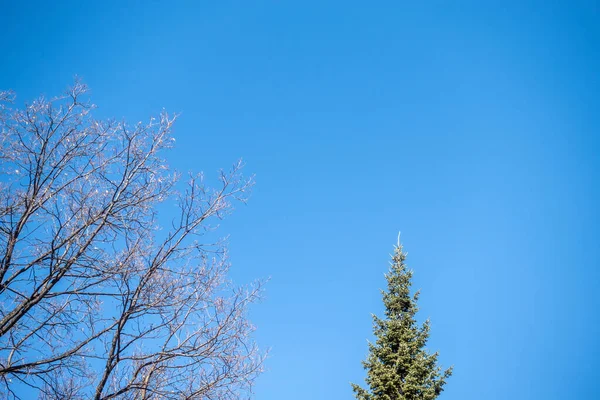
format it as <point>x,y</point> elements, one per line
<point>398,366</point>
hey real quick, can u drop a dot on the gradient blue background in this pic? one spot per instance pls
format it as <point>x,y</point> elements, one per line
<point>471,127</point>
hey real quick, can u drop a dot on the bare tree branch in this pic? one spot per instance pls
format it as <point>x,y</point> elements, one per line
<point>96,299</point>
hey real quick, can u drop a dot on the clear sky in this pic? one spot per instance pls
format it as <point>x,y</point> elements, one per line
<point>471,127</point>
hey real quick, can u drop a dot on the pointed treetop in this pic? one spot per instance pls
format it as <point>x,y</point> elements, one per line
<point>399,367</point>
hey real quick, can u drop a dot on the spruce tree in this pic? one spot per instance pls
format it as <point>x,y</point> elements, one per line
<point>399,367</point>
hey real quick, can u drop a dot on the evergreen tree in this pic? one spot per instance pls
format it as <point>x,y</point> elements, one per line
<point>398,366</point>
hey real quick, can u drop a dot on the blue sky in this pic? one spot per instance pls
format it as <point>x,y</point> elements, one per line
<point>471,128</point>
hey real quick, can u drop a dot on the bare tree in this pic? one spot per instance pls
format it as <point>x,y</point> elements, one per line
<point>96,299</point>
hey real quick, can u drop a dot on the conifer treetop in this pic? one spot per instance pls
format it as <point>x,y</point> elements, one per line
<point>399,367</point>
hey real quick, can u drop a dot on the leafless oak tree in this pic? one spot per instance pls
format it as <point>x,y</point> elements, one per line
<point>96,299</point>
